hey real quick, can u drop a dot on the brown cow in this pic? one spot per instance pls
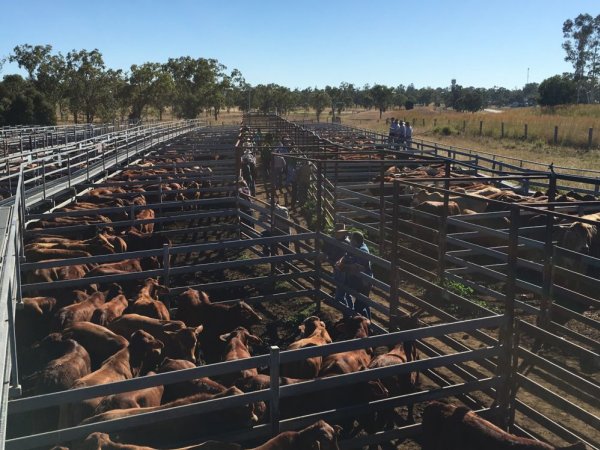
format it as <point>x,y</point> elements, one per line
<point>314,333</point>
<point>449,427</point>
<point>183,428</point>
<point>102,441</point>
<point>141,398</point>
<point>237,348</point>
<point>98,245</point>
<point>99,342</point>
<point>180,341</point>
<point>136,240</point>
<point>36,253</point>
<point>147,305</point>
<point>74,272</point>
<point>140,356</point>
<point>77,312</point>
<point>217,319</point>
<point>319,435</point>
<point>145,214</point>
<point>355,327</point>
<point>110,310</point>
<point>174,391</point>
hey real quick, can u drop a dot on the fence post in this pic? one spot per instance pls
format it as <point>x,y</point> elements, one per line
<point>506,392</point>
<point>15,388</point>
<point>44,178</point>
<point>394,305</point>
<point>274,389</point>
<point>69,168</point>
<point>546,304</point>
<point>590,137</point>
<point>555,134</point>
<point>443,227</point>
<point>381,206</point>
<point>435,123</point>
<point>502,130</point>
<point>318,228</point>
<point>480,127</point>
<point>525,132</point>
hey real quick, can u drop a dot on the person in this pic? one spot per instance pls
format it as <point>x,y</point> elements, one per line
<point>408,136</point>
<point>249,170</point>
<point>258,139</point>
<point>290,179</point>
<point>355,265</point>
<point>393,129</point>
<point>332,254</point>
<point>401,135</point>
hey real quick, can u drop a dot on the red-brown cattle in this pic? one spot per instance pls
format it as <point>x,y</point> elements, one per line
<point>51,274</point>
<point>314,334</point>
<point>217,319</point>
<point>449,427</point>
<point>102,441</point>
<point>319,435</point>
<point>140,356</point>
<point>147,303</point>
<point>100,342</point>
<point>136,240</point>
<point>174,391</point>
<point>141,398</point>
<point>355,327</point>
<point>110,310</point>
<point>77,312</point>
<point>237,347</point>
<point>145,214</point>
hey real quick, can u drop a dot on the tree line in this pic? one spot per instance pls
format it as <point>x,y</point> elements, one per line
<point>79,87</point>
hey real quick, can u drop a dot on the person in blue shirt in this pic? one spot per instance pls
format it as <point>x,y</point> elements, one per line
<point>353,266</point>
<point>333,254</point>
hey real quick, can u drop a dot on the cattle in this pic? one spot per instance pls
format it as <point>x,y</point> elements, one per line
<point>355,327</point>
<point>314,333</point>
<point>68,362</point>
<point>100,244</point>
<point>236,347</point>
<point>145,303</point>
<point>33,320</point>
<point>65,362</point>
<point>399,384</point>
<point>102,441</point>
<point>66,221</point>
<point>182,428</point>
<point>146,215</point>
<point>99,342</point>
<point>141,398</point>
<point>174,391</point>
<point>581,237</point>
<point>478,204</point>
<point>136,240</point>
<point>217,319</point>
<point>73,272</point>
<point>140,356</point>
<point>110,310</point>
<point>450,427</point>
<point>77,312</point>
<point>35,253</point>
<point>180,341</point>
<point>319,435</point>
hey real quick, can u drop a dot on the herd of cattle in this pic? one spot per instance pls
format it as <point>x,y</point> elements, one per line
<point>108,332</point>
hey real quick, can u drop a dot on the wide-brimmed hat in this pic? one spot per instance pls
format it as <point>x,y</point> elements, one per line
<point>339,229</point>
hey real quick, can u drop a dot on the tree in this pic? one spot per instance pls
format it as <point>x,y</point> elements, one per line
<point>86,83</point>
<point>557,90</point>
<point>471,100</point>
<point>30,58</point>
<point>319,101</point>
<point>382,97</point>
<point>582,47</point>
<point>22,104</point>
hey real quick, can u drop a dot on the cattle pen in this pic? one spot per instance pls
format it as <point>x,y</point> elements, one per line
<point>507,317</point>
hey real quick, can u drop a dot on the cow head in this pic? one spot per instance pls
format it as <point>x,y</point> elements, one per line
<point>145,351</point>
<point>154,288</point>
<point>419,197</point>
<point>243,335</point>
<point>102,245</point>
<point>352,327</point>
<point>184,342</point>
<point>578,237</point>
<point>309,325</point>
<point>321,436</point>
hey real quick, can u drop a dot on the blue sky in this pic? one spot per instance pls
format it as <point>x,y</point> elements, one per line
<point>313,43</point>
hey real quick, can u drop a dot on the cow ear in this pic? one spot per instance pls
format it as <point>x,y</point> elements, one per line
<point>224,337</point>
<point>199,329</point>
<point>338,429</point>
<point>301,328</point>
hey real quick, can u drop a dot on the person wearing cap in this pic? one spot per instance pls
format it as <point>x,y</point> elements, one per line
<point>401,135</point>
<point>333,254</point>
<point>393,131</point>
<point>355,266</point>
<point>408,136</point>
<point>244,193</point>
<point>249,170</point>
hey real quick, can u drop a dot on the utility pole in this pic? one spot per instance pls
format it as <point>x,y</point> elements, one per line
<point>527,76</point>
